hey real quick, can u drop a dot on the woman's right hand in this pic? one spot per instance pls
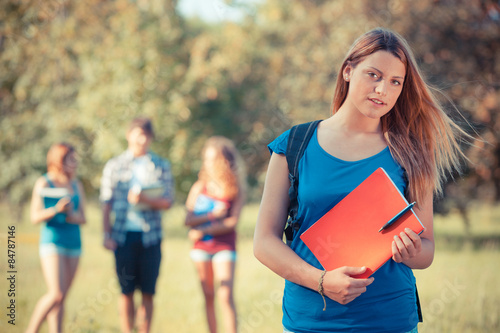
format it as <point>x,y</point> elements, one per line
<point>63,205</point>
<point>340,285</point>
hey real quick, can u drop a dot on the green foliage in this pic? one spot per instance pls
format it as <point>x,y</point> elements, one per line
<point>79,71</point>
<point>457,44</point>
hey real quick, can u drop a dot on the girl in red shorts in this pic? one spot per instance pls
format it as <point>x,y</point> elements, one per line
<point>213,207</point>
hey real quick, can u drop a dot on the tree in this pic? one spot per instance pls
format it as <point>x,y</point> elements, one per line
<point>458,43</point>
<point>79,71</point>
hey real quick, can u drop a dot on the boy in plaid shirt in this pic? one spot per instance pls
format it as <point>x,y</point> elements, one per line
<point>136,186</point>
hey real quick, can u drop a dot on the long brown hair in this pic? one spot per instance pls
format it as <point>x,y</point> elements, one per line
<point>56,157</point>
<point>228,172</point>
<point>420,135</point>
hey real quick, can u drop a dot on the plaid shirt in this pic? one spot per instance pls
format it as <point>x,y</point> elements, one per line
<point>115,185</point>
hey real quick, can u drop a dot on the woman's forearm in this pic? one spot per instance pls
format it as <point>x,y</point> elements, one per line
<point>220,227</point>
<point>277,256</point>
<point>196,220</point>
<point>43,215</point>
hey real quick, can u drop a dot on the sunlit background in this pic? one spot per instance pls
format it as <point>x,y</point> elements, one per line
<point>78,71</point>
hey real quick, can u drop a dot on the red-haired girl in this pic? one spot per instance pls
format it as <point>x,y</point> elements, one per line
<point>57,204</point>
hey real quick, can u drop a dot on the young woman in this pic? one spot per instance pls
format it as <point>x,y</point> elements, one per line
<point>384,115</point>
<point>60,244</point>
<point>213,207</point>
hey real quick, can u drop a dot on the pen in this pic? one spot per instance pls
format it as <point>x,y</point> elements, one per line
<point>398,215</point>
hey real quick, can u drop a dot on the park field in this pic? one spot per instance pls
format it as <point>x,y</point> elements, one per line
<point>459,292</point>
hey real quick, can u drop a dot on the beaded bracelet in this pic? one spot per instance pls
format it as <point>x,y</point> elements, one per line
<point>320,288</point>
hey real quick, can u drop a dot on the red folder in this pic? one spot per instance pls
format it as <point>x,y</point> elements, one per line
<point>348,234</point>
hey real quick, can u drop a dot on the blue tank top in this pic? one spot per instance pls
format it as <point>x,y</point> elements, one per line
<point>389,304</point>
<point>56,230</point>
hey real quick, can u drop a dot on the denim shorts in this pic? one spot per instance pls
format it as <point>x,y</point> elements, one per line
<point>198,255</point>
<point>415,330</point>
<point>48,249</point>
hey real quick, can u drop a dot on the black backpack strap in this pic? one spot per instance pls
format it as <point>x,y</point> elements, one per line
<point>419,308</point>
<point>298,140</point>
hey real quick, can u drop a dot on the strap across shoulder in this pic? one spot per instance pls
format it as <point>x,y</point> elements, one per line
<point>51,184</point>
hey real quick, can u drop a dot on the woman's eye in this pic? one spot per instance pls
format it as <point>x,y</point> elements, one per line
<point>373,75</point>
<point>396,83</point>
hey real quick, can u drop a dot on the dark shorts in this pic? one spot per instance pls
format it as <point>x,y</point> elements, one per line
<point>137,266</point>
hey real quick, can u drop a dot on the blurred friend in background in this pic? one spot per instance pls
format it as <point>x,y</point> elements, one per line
<point>136,186</point>
<point>57,204</point>
<point>213,208</point>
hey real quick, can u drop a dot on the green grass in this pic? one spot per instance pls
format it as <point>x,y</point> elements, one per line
<point>459,292</point>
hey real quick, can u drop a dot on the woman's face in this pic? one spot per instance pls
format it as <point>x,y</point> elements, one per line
<point>209,158</point>
<point>70,164</point>
<point>375,84</point>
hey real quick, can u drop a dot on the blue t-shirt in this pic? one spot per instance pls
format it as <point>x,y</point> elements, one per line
<point>57,231</point>
<point>389,304</point>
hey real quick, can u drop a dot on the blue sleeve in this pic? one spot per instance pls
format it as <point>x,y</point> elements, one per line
<point>279,144</point>
<point>165,178</point>
<point>169,181</point>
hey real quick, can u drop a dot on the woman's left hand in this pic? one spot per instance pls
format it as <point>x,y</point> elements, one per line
<point>406,245</point>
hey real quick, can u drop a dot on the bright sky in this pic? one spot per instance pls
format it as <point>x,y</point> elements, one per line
<point>214,10</point>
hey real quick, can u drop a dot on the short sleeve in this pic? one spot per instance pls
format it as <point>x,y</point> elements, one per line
<point>168,180</point>
<point>279,144</point>
<point>106,193</point>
